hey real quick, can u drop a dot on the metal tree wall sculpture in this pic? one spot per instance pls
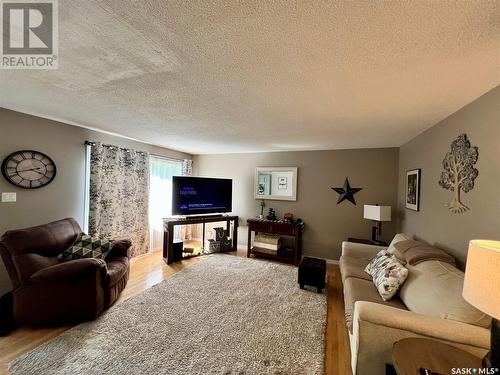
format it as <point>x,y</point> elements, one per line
<point>459,172</point>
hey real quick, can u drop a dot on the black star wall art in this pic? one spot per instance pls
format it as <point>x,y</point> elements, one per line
<point>346,192</point>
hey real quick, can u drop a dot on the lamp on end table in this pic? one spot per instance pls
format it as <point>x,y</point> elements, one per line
<point>378,214</point>
<point>482,289</point>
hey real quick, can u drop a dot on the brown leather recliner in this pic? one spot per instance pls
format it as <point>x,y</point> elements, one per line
<point>49,291</point>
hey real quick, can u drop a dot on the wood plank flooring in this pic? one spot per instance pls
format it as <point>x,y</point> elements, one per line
<point>148,270</point>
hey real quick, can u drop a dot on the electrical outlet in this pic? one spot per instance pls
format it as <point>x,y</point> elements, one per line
<point>9,197</point>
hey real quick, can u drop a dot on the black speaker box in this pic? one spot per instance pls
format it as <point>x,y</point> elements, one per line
<point>177,251</point>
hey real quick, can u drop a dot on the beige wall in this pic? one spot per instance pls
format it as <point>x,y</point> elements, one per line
<point>64,197</point>
<point>480,120</point>
<point>327,224</point>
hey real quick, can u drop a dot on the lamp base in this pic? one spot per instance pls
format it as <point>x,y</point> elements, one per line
<point>376,230</point>
<point>492,359</point>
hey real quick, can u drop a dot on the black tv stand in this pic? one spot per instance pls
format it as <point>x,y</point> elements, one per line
<point>197,217</point>
<point>170,223</point>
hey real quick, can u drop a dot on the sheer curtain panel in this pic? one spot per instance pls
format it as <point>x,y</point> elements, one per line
<point>160,199</point>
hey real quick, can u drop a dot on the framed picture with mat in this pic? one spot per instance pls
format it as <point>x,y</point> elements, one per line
<point>412,190</point>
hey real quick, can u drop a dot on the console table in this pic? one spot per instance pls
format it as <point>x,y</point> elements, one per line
<point>170,223</point>
<point>283,228</point>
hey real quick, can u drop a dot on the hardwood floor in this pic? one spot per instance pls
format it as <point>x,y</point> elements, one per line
<point>148,270</point>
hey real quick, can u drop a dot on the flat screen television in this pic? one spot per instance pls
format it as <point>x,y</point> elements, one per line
<point>200,195</point>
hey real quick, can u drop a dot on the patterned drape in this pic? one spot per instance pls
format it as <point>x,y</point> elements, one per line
<point>187,167</point>
<point>187,170</point>
<point>119,191</point>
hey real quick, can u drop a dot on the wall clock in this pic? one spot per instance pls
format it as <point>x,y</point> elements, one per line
<point>28,169</point>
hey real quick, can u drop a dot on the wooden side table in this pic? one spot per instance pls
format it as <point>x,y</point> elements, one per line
<point>409,355</point>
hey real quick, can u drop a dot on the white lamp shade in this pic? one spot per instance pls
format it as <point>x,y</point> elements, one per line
<point>378,213</point>
<point>482,276</point>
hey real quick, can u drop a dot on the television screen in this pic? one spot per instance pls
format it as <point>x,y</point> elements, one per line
<point>199,195</point>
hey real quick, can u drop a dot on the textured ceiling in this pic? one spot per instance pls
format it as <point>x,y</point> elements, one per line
<point>238,76</point>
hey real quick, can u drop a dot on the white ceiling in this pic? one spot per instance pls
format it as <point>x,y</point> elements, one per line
<point>240,76</point>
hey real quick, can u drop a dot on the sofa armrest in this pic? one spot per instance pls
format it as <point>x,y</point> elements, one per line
<point>377,327</point>
<point>360,250</point>
<point>69,271</point>
<point>430,326</point>
<point>121,248</point>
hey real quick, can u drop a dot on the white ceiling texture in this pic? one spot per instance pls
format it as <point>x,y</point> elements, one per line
<point>243,76</point>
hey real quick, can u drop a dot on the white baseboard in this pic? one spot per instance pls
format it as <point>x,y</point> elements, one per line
<point>243,247</point>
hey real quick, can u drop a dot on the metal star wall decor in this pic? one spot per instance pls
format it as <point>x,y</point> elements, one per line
<point>346,192</point>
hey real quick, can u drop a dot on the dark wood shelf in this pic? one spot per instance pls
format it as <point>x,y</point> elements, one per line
<point>281,228</point>
<point>261,253</point>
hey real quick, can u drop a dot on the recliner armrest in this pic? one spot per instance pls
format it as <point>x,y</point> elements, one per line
<point>69,271</point>
<point>120,249</point>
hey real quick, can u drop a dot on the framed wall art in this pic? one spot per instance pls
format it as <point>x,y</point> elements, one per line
<point>412,191</point>
<point>277,183</point>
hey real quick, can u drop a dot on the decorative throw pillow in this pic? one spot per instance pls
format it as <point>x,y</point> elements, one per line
<point>416,252</point>
<point>87,246</point>
<point>388,274</point>
<point>392,246</point>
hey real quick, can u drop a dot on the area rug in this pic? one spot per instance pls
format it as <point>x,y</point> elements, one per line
<point>223,315</point>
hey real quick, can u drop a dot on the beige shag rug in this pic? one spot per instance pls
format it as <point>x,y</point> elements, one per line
<point>224,315</point>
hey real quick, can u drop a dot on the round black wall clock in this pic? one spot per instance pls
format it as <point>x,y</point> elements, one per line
<point>28,169</point>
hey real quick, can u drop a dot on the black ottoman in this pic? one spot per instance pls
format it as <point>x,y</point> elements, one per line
<point>312,271</point>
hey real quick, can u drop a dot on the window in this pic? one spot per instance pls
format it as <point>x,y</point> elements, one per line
<point>160,195</point>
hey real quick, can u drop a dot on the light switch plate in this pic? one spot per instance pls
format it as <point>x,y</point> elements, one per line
<point>9,197</point>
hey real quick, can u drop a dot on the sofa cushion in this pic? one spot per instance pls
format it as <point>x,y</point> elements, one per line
<point>353,267</point>
<point>363,290</point>
<point>28,264</point>
<point>388,274</point>
<point>415,252</point>
<point>392,249</point>
<point>435,288</point>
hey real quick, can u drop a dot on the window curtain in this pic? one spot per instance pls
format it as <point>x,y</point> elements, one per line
<point>187,170</point>
<point>118,198</point>
<point>160,199</point>
<point>187,167</point>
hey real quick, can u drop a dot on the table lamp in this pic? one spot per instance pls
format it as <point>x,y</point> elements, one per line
<point>482,289</point>
<point>378,214</point>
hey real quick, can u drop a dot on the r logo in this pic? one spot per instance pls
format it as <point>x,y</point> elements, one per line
<point>27,28</point>
<point>29,34</point>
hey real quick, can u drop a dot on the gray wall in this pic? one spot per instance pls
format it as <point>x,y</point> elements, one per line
<point>480,120</point>
<point>327,224</point>
<point>64,197</point>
